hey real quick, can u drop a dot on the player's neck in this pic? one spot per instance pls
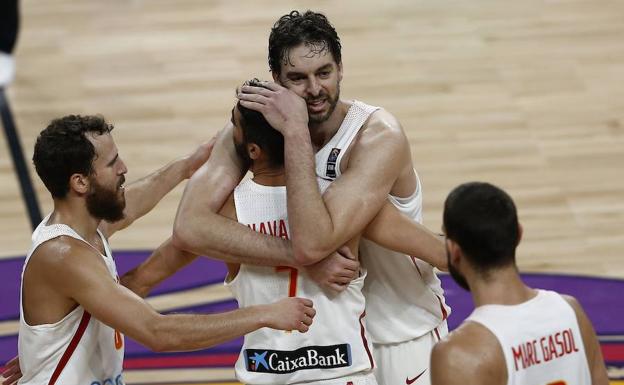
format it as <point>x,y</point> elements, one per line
<point>504,287</point>
<point>269,175</point>
<point>321,133</point>
<point>73,213</point>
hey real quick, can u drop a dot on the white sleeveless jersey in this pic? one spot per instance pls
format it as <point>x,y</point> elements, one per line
<point>77,350</point>
<point>404,297</point>
<point>336,344</point>
<point>540,338</point>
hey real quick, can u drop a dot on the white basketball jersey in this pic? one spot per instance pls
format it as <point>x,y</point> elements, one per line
<point>336,344</point>
<point>540,338</point>
<point>78,349</point>
<point>404,297</point>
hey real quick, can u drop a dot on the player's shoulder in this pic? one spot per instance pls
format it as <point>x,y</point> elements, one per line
<point>382,127</point>
<point>581,317</point>
<point>470,351</point>
<point>383,120</point>
<point>61,252</point>
<point>571,301</point>
<point>466,339</point>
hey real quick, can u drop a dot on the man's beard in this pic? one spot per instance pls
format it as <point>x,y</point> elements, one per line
<point>333,102</point>
<point>243,155</point>
<point>104,203</point>
<point>455,274</point>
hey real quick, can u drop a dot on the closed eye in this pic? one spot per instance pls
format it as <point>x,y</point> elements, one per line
<point>112,162</point>
<point>296,78</point>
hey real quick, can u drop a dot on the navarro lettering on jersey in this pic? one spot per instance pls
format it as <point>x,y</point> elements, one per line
<point>274,228</point>
<point>545,349</point>
<point>309,357</point>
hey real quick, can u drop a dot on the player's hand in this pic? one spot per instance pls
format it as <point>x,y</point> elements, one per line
<point>335,272</point>
<point>290,314</point>
<point>198,157</point>
<point>282,108</point>
<point>12,372</point>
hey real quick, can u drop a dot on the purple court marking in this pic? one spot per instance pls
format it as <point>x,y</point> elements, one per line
<point>595,294</point>
<point>605,310</point>
<point>10,273</point>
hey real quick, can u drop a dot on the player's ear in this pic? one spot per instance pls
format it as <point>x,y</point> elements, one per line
<point>79,183</point>
<point>454,251</point>
<point>275,76</point>
<point>520,231</point>
<point>254,151</point>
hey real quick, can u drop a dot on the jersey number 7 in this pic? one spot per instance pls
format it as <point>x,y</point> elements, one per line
<point>292,281</point>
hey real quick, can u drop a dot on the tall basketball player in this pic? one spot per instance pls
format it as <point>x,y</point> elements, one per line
<point>516,334</point>
<point>73,310</point>
<point>364,149</point>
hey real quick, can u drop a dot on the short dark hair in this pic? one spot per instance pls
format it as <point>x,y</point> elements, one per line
<point>62,149</point>
<point>482,219</point>
<point>257,130</point>
<point>294,29</point>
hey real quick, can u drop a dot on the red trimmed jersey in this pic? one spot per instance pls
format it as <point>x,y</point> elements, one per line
<point>404,297</point>
<point>540,339</point>
<point>336,345</point>
<point>78,349</point>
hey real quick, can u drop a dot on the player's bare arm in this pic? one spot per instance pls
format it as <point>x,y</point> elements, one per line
<point>77,273</point>
<point>595,359</point>
<point>201,230</point>
<point>143,194</point>
<point>470,355</point>
<point>332,273</point>
<point>165,261</point>
<point>395,231</point>
<point>229,211</point>
<point>352,201</point>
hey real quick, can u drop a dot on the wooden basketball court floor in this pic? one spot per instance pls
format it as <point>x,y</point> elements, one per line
<point>527,95</point>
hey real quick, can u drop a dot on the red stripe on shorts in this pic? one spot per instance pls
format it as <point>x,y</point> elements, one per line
<point>363,334</point>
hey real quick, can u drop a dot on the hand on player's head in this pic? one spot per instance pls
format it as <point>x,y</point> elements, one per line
<point>282,108</point>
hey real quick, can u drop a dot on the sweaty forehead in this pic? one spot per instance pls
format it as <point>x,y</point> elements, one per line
<point>307,56</point>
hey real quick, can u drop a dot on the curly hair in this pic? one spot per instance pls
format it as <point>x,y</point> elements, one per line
<point>62,149</point>
<point>294,29</point>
